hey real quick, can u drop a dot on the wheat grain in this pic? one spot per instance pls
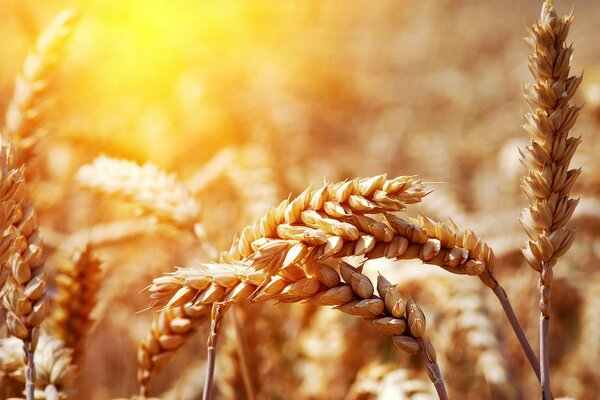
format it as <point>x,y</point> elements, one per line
<point>77,282</point>
<point>28,106</point>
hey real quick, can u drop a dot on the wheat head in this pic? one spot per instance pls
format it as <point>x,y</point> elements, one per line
<point>28,106</point>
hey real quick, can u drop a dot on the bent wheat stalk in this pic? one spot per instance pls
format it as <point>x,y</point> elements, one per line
<point>231,284</point>
<point>547,159</point>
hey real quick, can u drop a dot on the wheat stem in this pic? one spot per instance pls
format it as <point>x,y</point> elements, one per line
<point>29,371</point>
<point>218,311</point>
<point>514,322</point>
<point>432,368</point>
<point>545,357</point>
<point>240,348</point>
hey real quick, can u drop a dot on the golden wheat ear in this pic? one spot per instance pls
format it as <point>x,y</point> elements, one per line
<point>377,380</point>
<point>155,192</point>
<point>25,300</point>
<point>549,180</point>
<point>77,286</point>
<point>29,104</point>
<point>170,330</point>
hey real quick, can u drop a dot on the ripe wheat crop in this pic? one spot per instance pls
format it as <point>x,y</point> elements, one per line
<point>317,204</point>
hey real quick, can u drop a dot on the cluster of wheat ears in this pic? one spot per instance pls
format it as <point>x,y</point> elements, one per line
<point>308,249</point>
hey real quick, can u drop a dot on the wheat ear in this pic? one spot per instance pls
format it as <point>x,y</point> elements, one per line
<point>77,285</point>
<point>28,106</point>
<point>55,369</point>
<point>170,330</point>
<point>155,192</point>
<point>547,159</point>
<point>26,297</point>
<point>230,284</point>
<point>383,381</point>
<point>254,177</point>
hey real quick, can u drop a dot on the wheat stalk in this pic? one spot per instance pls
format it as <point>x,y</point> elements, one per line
<point>28,106</point>
<point>77,285</point>
<point>547,159</point>
<point>26,297</point>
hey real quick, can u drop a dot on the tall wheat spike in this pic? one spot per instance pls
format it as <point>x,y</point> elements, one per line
<point>25,300</point>
<point>547,158</point>
<point>28,106</point>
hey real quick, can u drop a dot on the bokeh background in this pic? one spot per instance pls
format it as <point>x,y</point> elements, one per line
<point>248,102</point>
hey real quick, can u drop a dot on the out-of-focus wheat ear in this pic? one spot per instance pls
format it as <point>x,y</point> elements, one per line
<point>55,368</point>
<point>386,381</point>
<point>154,191</point>
<point>28,107</point>
<point>77,286</point>
<point>254,177</point>
<point>25,300</point>
<point>549,180</point>
<point>187,385</point>
<point>171,329</point>
<point>12,364</point>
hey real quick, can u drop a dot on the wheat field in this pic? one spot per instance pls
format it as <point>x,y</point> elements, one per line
<point>299,200</point>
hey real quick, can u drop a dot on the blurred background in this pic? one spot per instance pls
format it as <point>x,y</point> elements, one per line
<point>248,102</point>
